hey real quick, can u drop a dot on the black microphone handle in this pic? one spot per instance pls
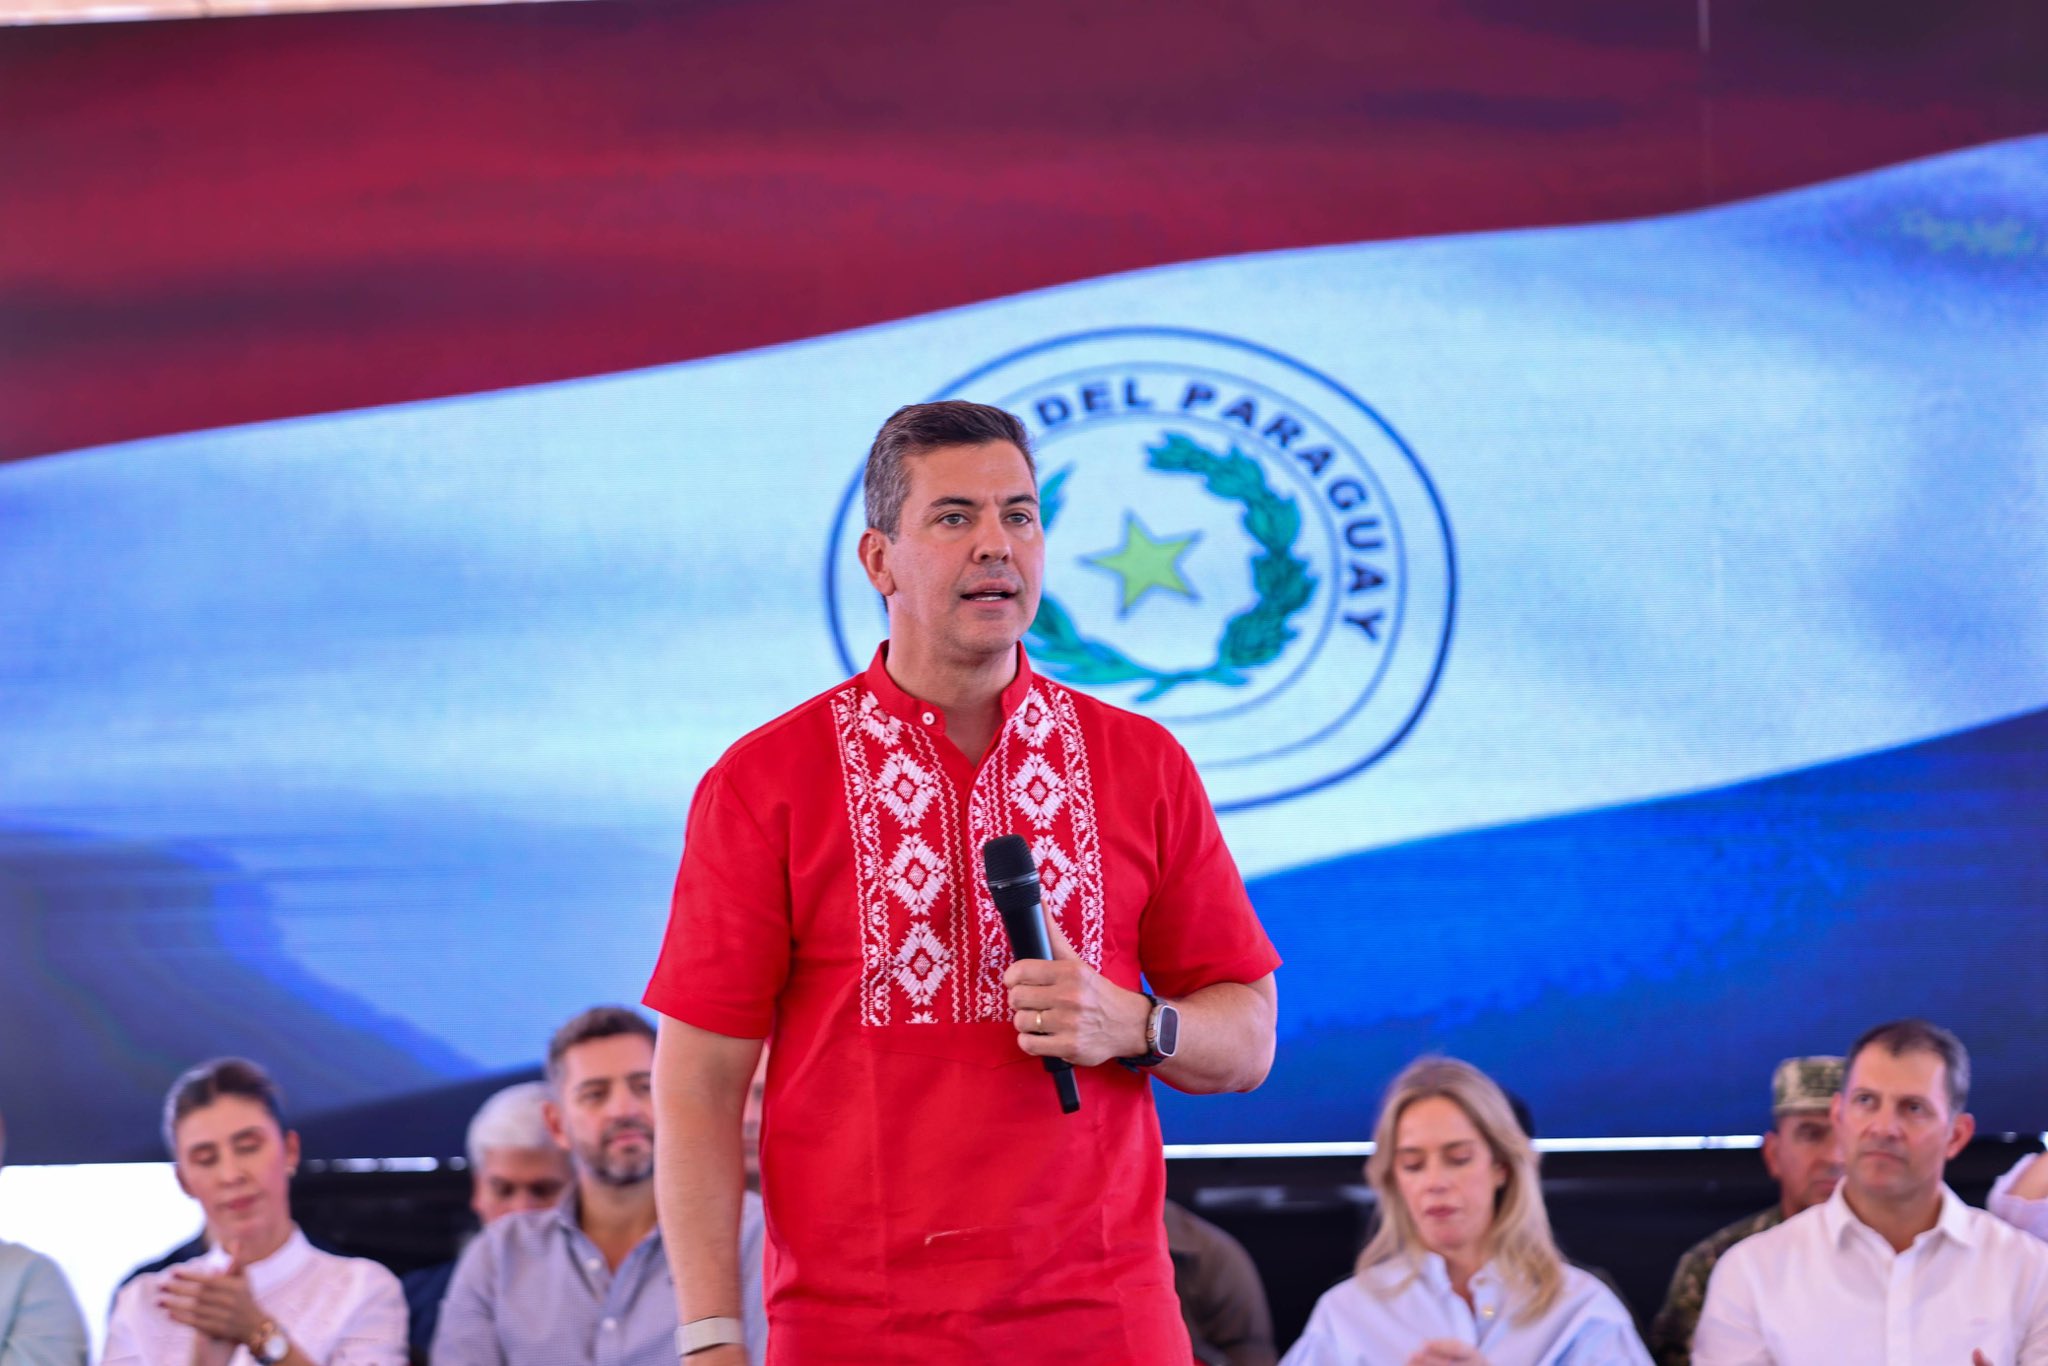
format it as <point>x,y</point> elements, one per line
<point>1064,1083</point>
<point>1025,926</point>
<point>1028,939</point>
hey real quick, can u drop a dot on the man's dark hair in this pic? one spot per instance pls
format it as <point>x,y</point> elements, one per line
<point>1900,1037</point>
<point>598,1022</point>
<point>201,1086</point>
<point>919,428</point>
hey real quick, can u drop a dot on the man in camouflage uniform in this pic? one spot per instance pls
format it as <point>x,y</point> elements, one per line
<point>1804,1155</point>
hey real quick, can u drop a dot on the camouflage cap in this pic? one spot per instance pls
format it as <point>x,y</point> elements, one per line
<point>1804,1084</point>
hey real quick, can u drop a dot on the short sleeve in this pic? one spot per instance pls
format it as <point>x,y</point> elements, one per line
<point>1199,928</point>
<point>726,954</point>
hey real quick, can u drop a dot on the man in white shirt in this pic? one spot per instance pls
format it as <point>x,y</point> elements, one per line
<point>1894,1269</point>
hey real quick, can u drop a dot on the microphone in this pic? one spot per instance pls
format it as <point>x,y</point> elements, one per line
<point>1013,885</point>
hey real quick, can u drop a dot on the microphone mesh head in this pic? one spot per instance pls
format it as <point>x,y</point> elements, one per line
<point>1007,858</point>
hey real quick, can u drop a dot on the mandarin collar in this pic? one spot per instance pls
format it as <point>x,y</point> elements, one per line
<point>917,712</point>
<point>274,1270</point>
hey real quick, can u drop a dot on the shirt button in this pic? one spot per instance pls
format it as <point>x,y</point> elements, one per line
<point>929,718</point>
<point>610,1325</point>
<point>592,1263</point>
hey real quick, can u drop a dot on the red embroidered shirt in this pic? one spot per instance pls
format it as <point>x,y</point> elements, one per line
<point>926,1199</point>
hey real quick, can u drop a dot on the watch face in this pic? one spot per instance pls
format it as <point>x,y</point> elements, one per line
<point>1168,1031</point>
<point>275,1348</point>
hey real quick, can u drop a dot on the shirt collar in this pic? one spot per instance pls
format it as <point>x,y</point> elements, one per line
<point>1436,1272</point>
<point>904,707</point>
<point>568,1211</point>
<point>1836,1217</point>
<point>1954,1221</point>
<point>568,1215</point>
<point>274,1270</point>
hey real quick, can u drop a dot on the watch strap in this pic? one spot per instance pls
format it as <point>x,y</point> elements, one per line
<point>1151,1057</point>
<point>268,1344</point>
<point>702,1334</point>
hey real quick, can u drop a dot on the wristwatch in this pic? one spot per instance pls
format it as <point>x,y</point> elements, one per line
<point>268,1344</point>
<point>700,1335</point>
<point>1162,1035</point>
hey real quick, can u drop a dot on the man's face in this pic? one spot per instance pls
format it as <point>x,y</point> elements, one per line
<point>233,1160</point>
<point>512,1180</point>
<point>1803,1154</point>
<point>1895,1123</point>
<point>605,1116</point>
<point>962,575</point>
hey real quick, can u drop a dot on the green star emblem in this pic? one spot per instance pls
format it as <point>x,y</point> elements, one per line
<point>1145,562</point>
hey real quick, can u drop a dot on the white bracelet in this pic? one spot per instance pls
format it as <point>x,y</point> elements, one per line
<point>698,1334</point>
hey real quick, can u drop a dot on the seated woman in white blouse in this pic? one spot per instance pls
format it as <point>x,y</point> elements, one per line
<point>1463,1270</point>
<point>261,1292</point>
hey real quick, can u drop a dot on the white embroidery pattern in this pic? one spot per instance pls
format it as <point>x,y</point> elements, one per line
<point>917,875</point>
<point>1055,875</point>
<point>922,963</point>
<point>1034,720</point>
<point>905,787</point>
<point>1037,790</point>
<point>900,814</point>
<point>1084,866</point>
<point>932,946</point>
<point>1036,783</point>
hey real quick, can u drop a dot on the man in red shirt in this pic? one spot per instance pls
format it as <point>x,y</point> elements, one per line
<point>927,1200</point>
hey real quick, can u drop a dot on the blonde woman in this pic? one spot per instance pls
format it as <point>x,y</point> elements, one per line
<point>1463,1271</point>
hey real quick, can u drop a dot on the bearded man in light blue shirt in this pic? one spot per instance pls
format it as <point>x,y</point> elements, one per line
<point>587,1281</point>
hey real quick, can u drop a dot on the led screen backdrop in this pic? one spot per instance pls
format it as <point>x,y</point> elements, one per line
<point>1610,618</point>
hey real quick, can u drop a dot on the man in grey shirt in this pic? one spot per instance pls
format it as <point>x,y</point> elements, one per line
<point>587,1283</point>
